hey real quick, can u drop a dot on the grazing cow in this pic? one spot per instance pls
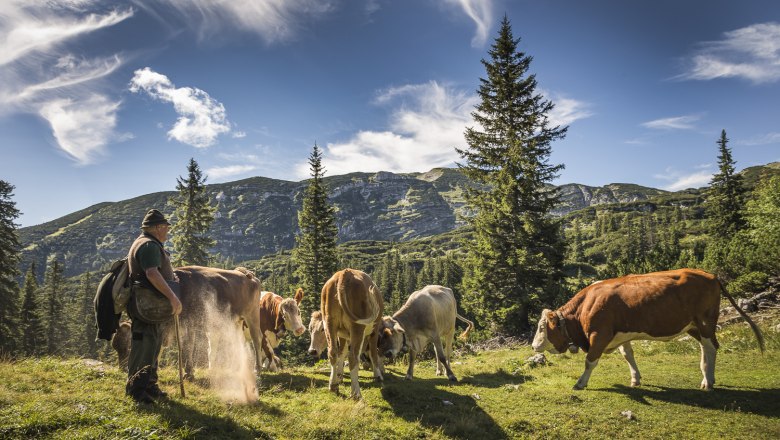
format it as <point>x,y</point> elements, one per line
<point>206,291</point>
<point>428,316</point>
<point>351,307</point>
<point>656,306</point>
<point>277,316</point>
<point>120,342</point>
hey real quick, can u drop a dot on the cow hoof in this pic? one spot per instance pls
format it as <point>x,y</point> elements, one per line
<point>635,383</point>
<point>408,377</point>
<point>578,387</point>
<point>452,378</point>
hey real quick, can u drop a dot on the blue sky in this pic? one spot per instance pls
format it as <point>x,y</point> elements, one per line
<point>104,101</point>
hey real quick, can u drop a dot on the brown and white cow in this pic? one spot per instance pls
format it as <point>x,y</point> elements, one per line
<point>277,316</point>
<point>657,306</point>
<point>206,293</point>
<point>351,310</point>
<point>427,316</point>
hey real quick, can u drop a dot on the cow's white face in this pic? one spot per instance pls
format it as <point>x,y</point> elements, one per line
<point>391,338</point>
<point>541,340</point>
<point>292,316</point>
<point>317,333</point>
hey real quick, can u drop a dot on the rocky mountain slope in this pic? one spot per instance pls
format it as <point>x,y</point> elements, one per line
<point>258,216</point>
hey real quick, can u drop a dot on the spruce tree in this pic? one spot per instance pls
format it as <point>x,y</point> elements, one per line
<point>193,217</point>
<point>9,261</point>
<point>315,250</point>
<point>514,263</point>
<point>726,196</point>
<point>53,287</point>
<point>33,334</point>
<point>87,316</point>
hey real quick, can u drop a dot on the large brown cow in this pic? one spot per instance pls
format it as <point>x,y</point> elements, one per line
<point>277,316</point>
<point>209,293</point>
<point>351,307</point>
<point>656,306</point>
<point>427,316</point>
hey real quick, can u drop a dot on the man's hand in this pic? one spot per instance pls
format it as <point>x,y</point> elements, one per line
<point>155,277</point>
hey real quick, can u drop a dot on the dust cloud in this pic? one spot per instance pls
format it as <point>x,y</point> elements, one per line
<point>231,359</point>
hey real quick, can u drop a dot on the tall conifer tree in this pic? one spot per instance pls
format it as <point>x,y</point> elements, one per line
<point>193,218</point>
<point>726,195</point>
<point>53,287</point>
<point>514,263</point>
<point>315,251</point>
<point>9,260</point>
<point>33,334</point>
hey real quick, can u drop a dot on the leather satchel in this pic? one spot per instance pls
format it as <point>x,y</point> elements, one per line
<point>150,306</point>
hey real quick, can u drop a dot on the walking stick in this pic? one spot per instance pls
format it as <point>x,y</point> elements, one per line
<point>178,345</point>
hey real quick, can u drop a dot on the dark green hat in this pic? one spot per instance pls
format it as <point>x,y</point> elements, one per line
<point>154,217</point>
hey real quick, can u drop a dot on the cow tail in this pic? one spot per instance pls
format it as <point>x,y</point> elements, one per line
<point>341,293</point>
<point>752,324</point>
<point>470,327</point>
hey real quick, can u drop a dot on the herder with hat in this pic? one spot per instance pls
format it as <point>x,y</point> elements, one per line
<point>150,269</point>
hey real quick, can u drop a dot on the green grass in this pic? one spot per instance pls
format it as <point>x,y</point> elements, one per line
<point>498,396</point>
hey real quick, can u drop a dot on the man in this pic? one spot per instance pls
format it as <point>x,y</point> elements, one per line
<point>150,267</point>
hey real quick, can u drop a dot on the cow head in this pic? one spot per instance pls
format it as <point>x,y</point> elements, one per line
<point>549,335</point>
<point>317,333</point>
<point>392,338</point>
<point>292,314</point>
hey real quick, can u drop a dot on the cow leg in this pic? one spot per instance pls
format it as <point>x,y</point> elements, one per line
<point>439,367</point>
<point>336,351</point>
<point>373,353</point>
<point>628,354</point>
<point>442,359</point>
<point>257,342</point>
<point>410,370</point>
<point>268,353</point>
<point>708,353</point>
<point>355,346</point>
<point>597,345</point>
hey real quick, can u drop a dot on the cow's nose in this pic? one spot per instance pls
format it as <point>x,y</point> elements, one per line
<point>299,331</point>
<point>389,354</point>
<point>313,352</point>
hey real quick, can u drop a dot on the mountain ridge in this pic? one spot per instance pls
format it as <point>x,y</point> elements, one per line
<point>257,216</point>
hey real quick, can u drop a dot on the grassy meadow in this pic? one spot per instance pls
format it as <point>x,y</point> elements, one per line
<point>499,396</point>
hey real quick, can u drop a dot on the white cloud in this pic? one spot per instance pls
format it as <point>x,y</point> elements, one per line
<point>239,134</point>
<point>273,20</point>
<point>674,123</point>
<point>752,52</point>
<point>680,181</point>
<point>220,173</point>
<point>481,12</point>
<point>43,25</point>
<point>425,127</point>
<point>39,76</point>
<point>201,118</point>
<point>82,128</point>
<point>567,110</point>
<point>423,133</point>
<point>766,139</point>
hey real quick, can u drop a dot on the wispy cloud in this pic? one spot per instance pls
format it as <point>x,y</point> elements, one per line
<point>272,20</point>
<point>766,139</point>
<point>752,52</point>
<point>674,123</point>
<point>39,75</point>
<point>567,110</point>
<point>481,12</point>
<point>679,180</point>
<point>425,127</point>
<point>216,174</point>
<point>201,118</point>
<point>39,27</point>
<point>82,127</point>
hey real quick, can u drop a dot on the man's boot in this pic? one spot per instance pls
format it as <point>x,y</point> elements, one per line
<point>136,387</point>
